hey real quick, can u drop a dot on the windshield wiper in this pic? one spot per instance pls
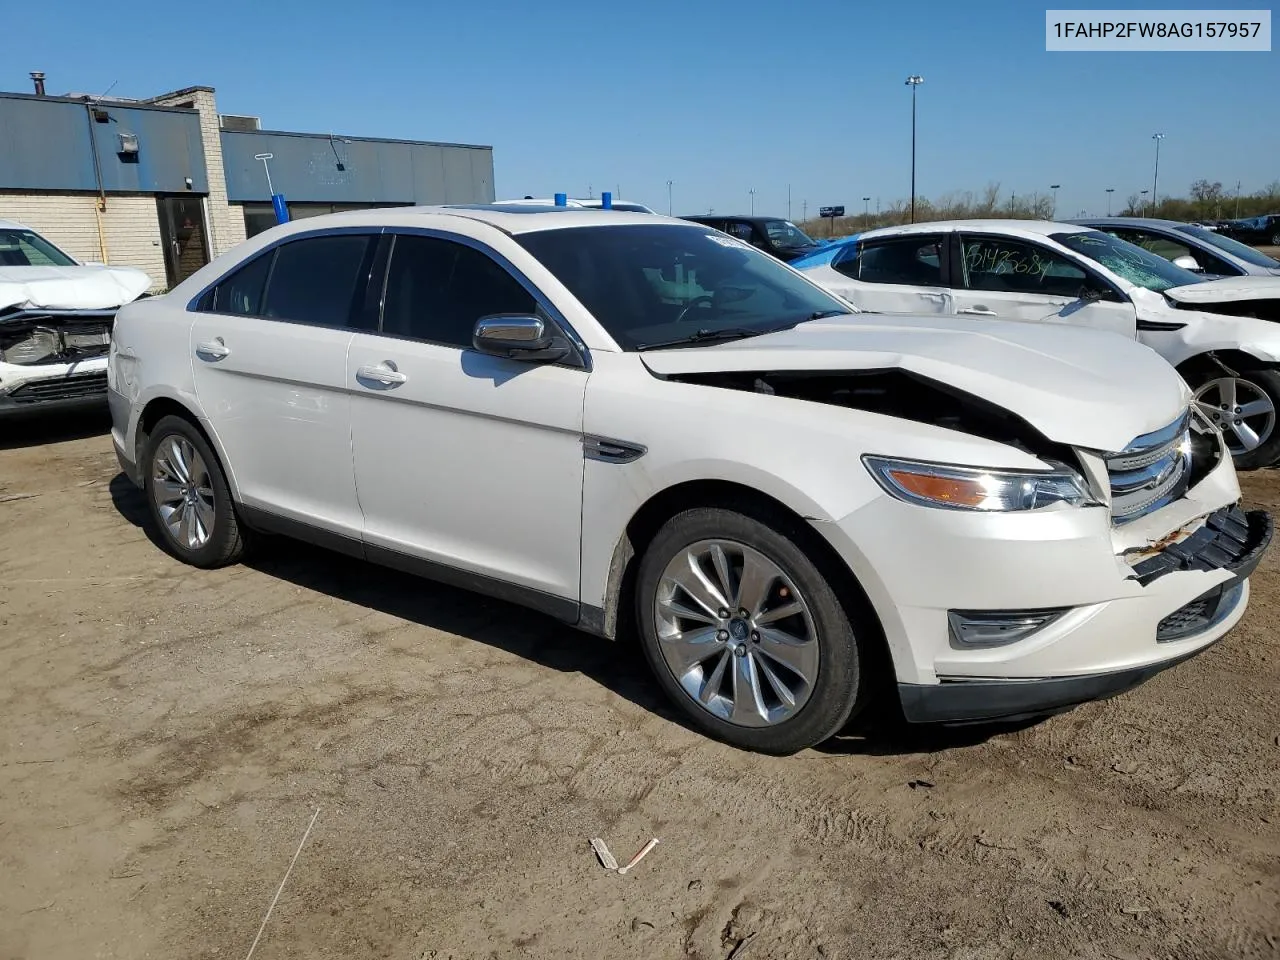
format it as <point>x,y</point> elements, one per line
<point>707,335</point>
<point>823,314</point>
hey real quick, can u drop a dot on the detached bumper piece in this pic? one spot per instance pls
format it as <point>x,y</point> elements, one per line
<point>1230,539</point>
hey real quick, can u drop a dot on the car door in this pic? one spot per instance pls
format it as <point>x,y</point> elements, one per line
<point>1011,278</point>
<point>904,274</point>
<point>269,346</point>
<point>465,460</point>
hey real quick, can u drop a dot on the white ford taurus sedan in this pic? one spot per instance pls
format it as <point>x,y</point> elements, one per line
<point>639,424</point>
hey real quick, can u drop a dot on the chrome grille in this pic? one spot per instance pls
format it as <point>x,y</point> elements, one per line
<point>1154,470</point>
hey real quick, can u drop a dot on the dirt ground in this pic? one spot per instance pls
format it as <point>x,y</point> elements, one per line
<point>168,734</point>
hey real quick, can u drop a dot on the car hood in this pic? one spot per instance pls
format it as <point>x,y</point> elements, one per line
<point>1086,388</point>
<point>1227,289</point>
<point>70,288</point>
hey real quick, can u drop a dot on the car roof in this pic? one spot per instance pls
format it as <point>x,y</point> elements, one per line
<point>13,225</point>
<point>1040,228</point>
<point>750,218</point>
<point>510,218</point>
<point>1151,222</point>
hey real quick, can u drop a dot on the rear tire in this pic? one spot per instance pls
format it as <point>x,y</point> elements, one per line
<point>787,675</point>
<point>188,496</point>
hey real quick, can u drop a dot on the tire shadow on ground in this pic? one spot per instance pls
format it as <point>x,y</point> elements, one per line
<point>36,429</point>
<point>618,665</point>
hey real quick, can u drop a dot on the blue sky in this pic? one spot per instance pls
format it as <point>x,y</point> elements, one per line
<point>720,97</point>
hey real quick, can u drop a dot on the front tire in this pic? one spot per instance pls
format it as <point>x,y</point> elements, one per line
<point>188,496</point>
<point>745,633</point>
<point>1245,407</point>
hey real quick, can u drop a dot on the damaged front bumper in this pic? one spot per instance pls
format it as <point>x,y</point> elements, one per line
<point>1005,615</point>
<point>53,360</point>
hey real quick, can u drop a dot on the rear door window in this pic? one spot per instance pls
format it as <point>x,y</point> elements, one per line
<point>913,261</point>
<point>319,280</point>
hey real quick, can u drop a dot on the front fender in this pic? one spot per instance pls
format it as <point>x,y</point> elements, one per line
<point>1205,332</point>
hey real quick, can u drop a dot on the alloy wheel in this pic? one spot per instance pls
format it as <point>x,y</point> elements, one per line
<point>183,492</point>
<point>736,634</point>
<point>1239,408</point>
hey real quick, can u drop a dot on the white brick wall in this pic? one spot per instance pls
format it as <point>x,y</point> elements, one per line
<point>130,225</point>
<point>226,223</point>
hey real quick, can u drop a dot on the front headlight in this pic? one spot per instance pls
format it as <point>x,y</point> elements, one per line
<point>973,488</point>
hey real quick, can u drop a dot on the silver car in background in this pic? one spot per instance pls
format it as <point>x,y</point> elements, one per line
<point>1189,245</point>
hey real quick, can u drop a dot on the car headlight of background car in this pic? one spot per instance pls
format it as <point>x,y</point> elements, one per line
<point>974,488</point>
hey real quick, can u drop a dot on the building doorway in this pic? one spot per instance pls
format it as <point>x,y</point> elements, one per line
<point>182,232</point>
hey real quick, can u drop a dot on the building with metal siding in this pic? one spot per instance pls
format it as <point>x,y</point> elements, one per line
<point>164,185</point>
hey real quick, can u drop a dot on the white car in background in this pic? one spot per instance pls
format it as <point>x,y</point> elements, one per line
<point>630,422</point>
<point>1036,271</point>
<point>55,323</point>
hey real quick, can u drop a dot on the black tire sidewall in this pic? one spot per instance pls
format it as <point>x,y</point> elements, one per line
<point>838,689</point>
<point>224,544</point>
<point>1268,453</point>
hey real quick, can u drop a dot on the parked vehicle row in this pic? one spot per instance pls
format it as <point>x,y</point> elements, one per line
<point>631,422</point>
<point>1220,334</point>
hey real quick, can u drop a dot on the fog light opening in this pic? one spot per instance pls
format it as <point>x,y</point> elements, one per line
<point>972,629</point>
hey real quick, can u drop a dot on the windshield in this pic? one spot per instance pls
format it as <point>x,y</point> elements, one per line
<point>784,233</point>
<point>1234,247</point>
<point>1128,260</point>
<point>650,285</point>
<point>26,248</point>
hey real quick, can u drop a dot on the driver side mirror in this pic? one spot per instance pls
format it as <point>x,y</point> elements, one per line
<point>517,337</point>
<point>1187,263</point>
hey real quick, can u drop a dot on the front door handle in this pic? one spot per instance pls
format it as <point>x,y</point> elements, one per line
<point>978,312</point>
<point>382,374</point>
<point>212,350</point>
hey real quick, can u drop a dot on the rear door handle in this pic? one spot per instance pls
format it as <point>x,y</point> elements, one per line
<point>977,312</point>
<point>383,374</point>
<point>212,350</point>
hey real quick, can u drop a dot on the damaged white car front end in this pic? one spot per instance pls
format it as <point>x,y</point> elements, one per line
<point>55,324</point>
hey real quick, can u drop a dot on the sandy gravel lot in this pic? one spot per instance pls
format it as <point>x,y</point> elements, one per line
<point>167,734</point>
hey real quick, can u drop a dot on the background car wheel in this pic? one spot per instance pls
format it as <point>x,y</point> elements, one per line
<point>1244,407</point>
<point>744,632</point>
<point>188,496</point>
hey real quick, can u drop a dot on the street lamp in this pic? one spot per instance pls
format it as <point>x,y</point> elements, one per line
<point>1144,203</point>
<point>1155,176</point>
<point>752,191</point>
<point>788,201</point>
<point>1110,191</point>
<point>669,182</point>
<point>913,81</point>
<point>866,212</point>
<point>1054,187</point>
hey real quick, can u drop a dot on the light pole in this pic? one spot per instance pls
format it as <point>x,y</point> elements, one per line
<point>1110,191</point>
<point>913,81</point>
<point>669,182</point>
<point>788,201</point>
<point>1155,176</point>
<point>804,212</point>
<point>752,191</point>
<point>1144,203</point>
<point>866,212</point>
<point>1054,187</point>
